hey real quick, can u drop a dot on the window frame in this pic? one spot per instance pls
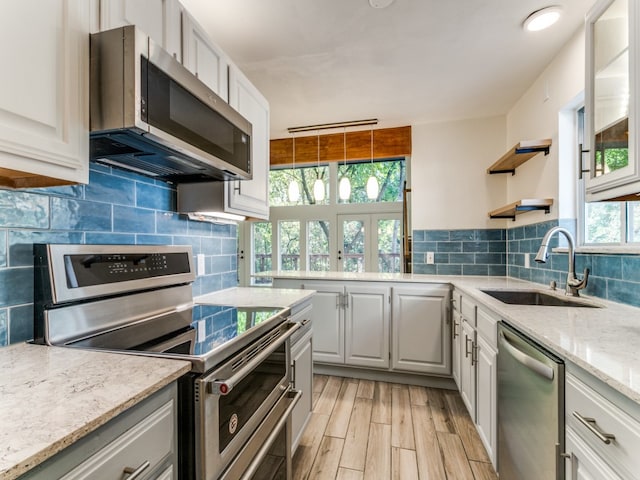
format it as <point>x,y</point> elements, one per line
<point>624,245</point>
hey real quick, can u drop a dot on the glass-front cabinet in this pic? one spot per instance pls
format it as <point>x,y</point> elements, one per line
<point>612,100</point>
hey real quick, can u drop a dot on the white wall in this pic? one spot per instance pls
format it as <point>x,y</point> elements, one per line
<point>451,189</point>
<point>535,116</point>
<point>450,186</point>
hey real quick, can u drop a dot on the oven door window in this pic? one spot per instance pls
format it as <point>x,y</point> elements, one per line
<point>237,407</point>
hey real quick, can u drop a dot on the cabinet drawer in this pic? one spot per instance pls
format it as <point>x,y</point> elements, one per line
<point>468,310</point>
<point>486,326</point>
<point>150,440</point>
<point>622,451</point>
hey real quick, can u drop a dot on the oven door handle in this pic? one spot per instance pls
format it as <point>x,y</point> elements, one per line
<point>264,450</point>
<point>223,387</point>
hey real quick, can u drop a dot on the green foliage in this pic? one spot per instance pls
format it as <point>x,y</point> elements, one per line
<point>602,222</point>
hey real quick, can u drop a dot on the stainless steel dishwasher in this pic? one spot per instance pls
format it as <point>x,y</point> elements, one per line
<point>530,409</point>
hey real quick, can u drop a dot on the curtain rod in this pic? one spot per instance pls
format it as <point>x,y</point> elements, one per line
<point>325,126</point>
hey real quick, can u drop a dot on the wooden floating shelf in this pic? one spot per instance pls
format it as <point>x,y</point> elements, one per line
<point>519,154</point>
<point>522,206</point>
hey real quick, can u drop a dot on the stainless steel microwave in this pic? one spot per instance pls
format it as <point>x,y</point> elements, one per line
<point>150,115</point>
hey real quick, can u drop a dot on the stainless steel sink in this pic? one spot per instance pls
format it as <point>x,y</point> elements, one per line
<point>535,297</point>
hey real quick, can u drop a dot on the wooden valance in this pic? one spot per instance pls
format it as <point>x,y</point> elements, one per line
<point>387,143</point>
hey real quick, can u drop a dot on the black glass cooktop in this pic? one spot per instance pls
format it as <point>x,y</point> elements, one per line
<point>215,325</point>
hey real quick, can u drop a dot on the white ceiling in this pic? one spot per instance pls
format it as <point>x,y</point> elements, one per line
<point>416,61</point>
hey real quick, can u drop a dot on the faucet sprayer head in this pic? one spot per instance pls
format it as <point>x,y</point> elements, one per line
<point>543,254</point>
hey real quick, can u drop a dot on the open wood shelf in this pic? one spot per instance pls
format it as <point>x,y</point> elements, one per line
<point>522,206</point>
<point>519,154</point>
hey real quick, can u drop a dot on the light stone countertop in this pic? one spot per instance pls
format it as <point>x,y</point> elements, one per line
<point>50,397</point>
<point>603,341</point>
<point>256,297</point>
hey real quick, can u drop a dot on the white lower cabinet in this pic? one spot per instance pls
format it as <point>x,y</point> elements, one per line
<point>602,429</point>
<point>420,337</point>
<point>583,462</point>
<point>351,324</point>
<point>141,440</point>
<point>400,328</point>
<point>328,322</point>
<point>302,375</point>
<point>456,347</point>
<point>476,349</point>
<point>468,368</point>
<point>367,326</point>
<point>486,396</point>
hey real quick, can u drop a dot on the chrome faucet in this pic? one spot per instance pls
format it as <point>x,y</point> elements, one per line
<point>574,284</point>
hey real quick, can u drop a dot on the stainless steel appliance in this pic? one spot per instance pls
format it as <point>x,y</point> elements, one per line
<point>235,404</point>
<point>151,115</point>
<point>530,409</point>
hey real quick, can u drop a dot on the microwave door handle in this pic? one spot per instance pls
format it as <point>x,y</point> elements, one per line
<point>223,387</point>
<point>529,362</point>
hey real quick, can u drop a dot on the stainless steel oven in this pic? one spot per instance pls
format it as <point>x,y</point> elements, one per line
<point>236,402</point>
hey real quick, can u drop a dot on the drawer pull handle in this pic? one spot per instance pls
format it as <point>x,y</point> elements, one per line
<point>136,472</point>
<point>591,425</point>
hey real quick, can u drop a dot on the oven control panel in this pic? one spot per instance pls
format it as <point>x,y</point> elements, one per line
<point>98,269</point>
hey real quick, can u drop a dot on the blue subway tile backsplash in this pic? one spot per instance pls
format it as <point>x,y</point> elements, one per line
<point>460,252</point>
<point>116,207</point>
<point>501,252</point>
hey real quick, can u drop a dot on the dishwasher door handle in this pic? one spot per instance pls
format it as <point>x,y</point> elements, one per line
<point>531,363</point>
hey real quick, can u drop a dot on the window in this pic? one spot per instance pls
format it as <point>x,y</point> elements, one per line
<point>279,180</point>
<point>289,235</point>
<point>390,175</point>
<point>608,223</point>
<point>318,245</point>
<point>261,235</point>
<point>356,235</point>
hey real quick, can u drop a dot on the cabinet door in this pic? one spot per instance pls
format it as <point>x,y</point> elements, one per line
<point>584,463</point>
<point>250,197</point>
<point>486,408</point>
<point>302,366</point>
<point>203,57</point>
<point>456,341</point>
<point>367,326</point>
<point>420,326</point>
<point>328,324</point>
<point>612,102</point>
<point>160,19</point>
<point>468,369</point>
<point>44,99</point>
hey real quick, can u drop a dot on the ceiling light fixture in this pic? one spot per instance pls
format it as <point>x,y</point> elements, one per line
<point>318,185</point>
<point>344,187</point>
<point>380,3</point>
<point>326,126</point>
<point>541,19</point>
<point>372,183</point>
<point>294,188</point>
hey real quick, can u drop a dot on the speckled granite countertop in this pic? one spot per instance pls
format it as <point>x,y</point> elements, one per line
<point>256,297</point>
<point>603,341</point>
<point>51,397</point>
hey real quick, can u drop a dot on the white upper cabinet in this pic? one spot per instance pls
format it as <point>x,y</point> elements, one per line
<point>612,104</point>
<point>250,197</point>
<point>160,19</point>
<point>44,99</point>
<point>204,58</point>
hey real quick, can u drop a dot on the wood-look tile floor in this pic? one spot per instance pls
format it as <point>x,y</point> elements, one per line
<point>361,429</point>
